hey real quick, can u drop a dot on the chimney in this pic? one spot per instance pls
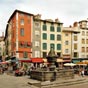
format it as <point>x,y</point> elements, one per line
<point>70,26</point>
<point>38,16</point>
<point>56,20</point>
<point>75,24</point>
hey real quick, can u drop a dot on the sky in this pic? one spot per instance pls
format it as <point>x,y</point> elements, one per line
<point>67,11</point>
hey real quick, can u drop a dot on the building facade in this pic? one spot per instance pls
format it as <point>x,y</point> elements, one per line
<point>2,47</point>
<point>18,35</point>
<point>51,36</point>
<point>70,43</point>
<point>28,36</point>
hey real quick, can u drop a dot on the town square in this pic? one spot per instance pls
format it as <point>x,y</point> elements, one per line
<point>43,44</point>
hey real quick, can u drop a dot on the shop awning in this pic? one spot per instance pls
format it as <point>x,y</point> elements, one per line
<point>25,61</point>
<point>4,62</point>
<point>60,60</point>
<point>75,61</point>
<point>67,60</point>
<point>66,56</point>
<point>37,60</point>
<point>45,60</point>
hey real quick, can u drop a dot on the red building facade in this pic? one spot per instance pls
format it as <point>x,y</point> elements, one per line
<point>18,35</point>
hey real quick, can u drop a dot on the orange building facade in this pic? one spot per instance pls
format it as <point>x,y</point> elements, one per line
<point>18,35</point>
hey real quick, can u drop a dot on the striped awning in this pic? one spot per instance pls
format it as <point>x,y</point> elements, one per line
<point>60,60</point>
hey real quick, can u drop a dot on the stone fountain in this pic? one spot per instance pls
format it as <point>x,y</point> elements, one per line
<point>51,74</point>
<point>51,58</point>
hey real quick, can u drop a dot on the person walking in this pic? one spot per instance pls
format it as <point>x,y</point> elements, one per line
<point>82,72</point>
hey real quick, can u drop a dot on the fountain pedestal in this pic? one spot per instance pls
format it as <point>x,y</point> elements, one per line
<point>51,58</point>
<point>52,74</point>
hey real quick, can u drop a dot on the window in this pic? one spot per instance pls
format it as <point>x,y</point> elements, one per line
<point>75,46</point>
<point>22,31</point>
<point>37,25</point>
<point>66,42</point>
<point>37,54</point>
<point>52,28</point>
<point>52,45</point>
<point>52,37</point>
<point>83,49</point>
<point>22,21</point>
<point>58,37</point>
<point>22,15</point>
<point>86,41</point>
<point>83,33</point>
<point>83,41</point>
<point>44,36</point>
<point>87,49</point>
<point>66,34</point>
<point>44,46</point>
<point>44,27</point>
<point>66,50</point>
<point>58,29</point>
<point>44,54</point>
<point>86,33</point>
<point>37,33</point>
<point>25,54</point>
<point>58,46</point>
<point>37,43</point>
<point>75,38</point>
<point>75,54</point>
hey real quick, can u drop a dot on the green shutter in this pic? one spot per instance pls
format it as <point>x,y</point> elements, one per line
<point>58,46</point>
<point>44,27</point>
<point>58,29</point>
<point>52,28</point>
<point>44,46</point>
<point>44,36</point>
<point>52,37</point>
<point>25,54</point>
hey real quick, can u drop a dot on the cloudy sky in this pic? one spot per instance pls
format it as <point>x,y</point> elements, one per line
<point>67,11</point>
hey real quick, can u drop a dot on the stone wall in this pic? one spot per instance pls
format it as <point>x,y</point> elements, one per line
<point>52,75</point>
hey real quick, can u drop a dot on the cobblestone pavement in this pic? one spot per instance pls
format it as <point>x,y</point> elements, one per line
<point>84,85</point>
<point>8,81</point>
<point>81,85</point>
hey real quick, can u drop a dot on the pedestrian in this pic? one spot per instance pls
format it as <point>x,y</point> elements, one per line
<point>82,72</point>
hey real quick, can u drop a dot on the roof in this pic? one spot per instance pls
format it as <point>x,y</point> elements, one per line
<point>19,12</point>
<point>48,21</point>
<point>82,21</point>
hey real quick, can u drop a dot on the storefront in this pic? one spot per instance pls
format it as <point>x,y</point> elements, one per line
<point>37,62</point>
<point>66,58</point>
<point>75,60</point>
